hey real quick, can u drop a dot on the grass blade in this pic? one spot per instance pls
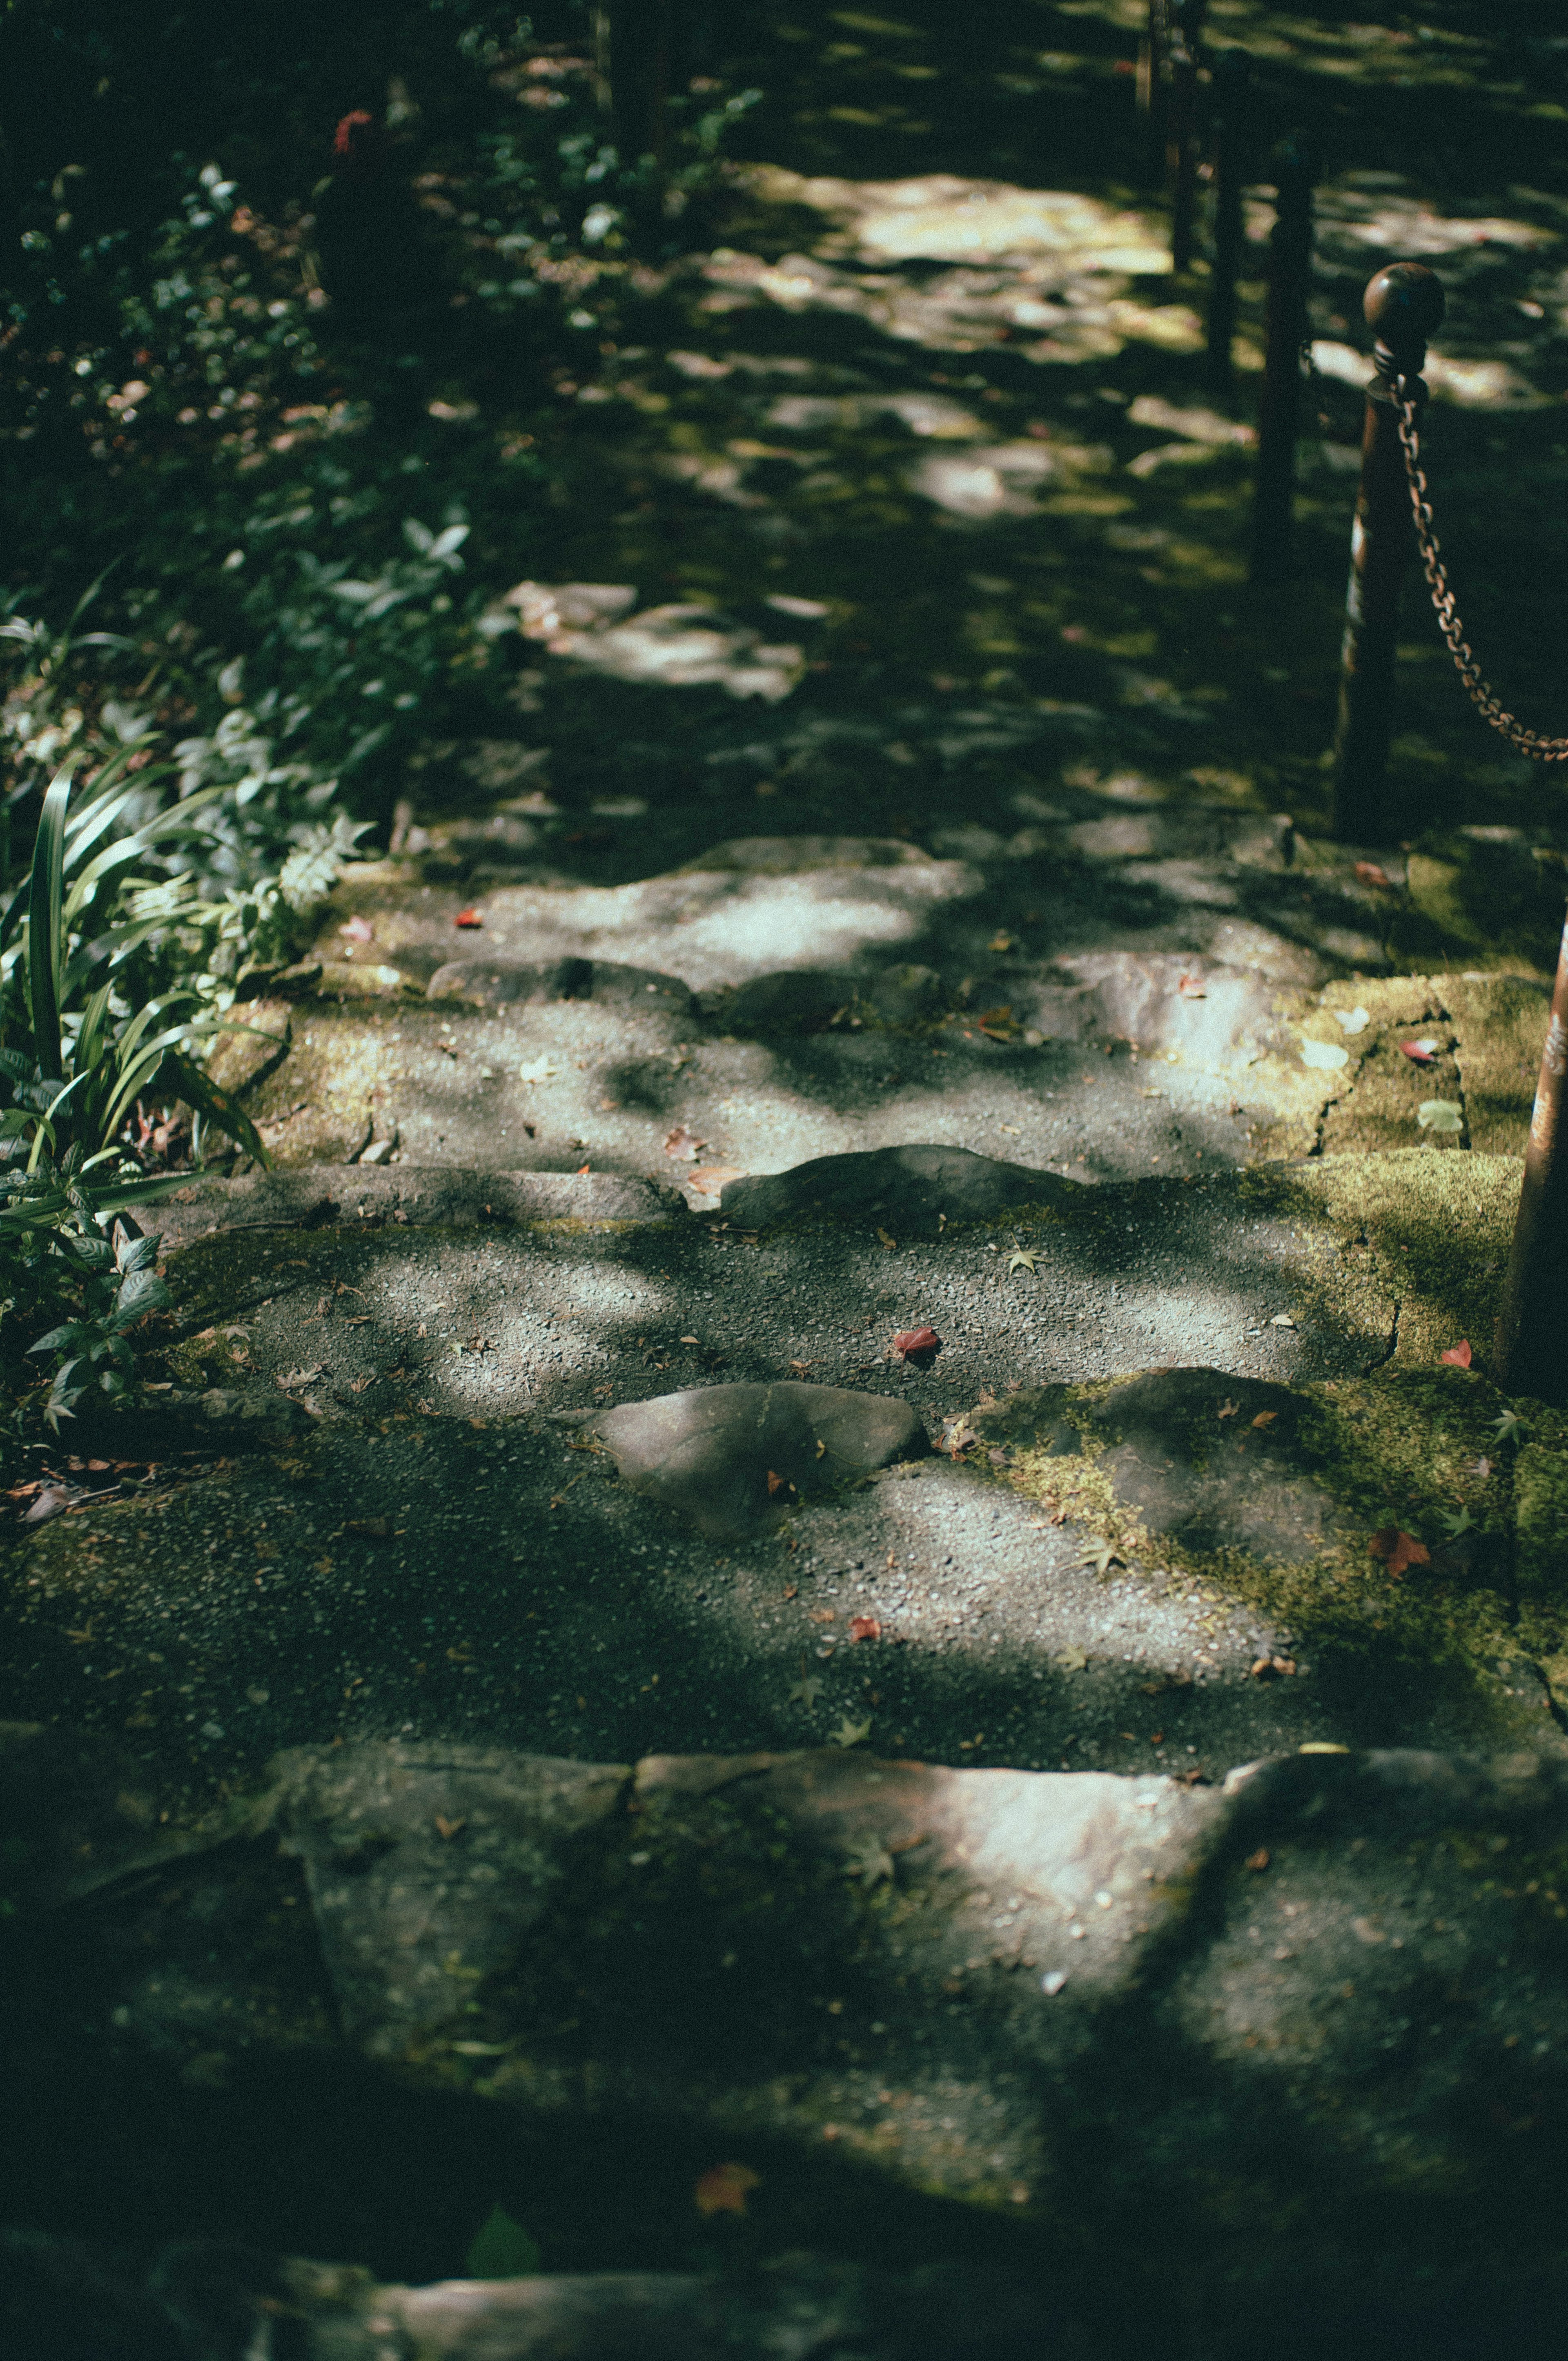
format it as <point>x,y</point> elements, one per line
<point>45,903</point>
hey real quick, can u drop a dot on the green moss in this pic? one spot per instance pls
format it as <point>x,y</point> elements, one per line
<point>1412,1450</point>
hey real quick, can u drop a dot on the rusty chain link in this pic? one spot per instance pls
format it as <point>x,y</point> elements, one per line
<point>1482,694</point>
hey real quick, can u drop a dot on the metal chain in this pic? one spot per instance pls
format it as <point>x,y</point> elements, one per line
<point>1482,694</point>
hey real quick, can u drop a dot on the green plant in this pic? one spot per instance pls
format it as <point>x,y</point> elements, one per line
<point>86,1050</point>
<point>118,1286</point>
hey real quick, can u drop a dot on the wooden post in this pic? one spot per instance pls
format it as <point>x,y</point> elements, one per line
<point>1232,71</point>
<point>1153,64</point>
<point>640,39</point>
<point>1296,167</point>
<point>1402,305</point>
<point>1182,148</point>
<point>1531,1349</point>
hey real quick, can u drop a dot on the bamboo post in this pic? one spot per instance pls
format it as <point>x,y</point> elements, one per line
<point>1232,71</point>
<point>1531,1348</point>
<point>1402,305</point>
<point>1181,149</point>
<point>1296,167</point>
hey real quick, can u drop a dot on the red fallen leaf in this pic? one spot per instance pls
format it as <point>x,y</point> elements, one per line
<point>1372,873</point>
<point>582,1169</point>
<point>777,1483</point>
<point>1191,987</point>
<point>865,1627</point>
<point>682,1144</point>
<point>1258,1860</point>
<point>1398,1550</point>
<point>448,1829</point>
<point>723,2188</point>
<point>1419,1053</point>
<point>470,917</point>
<point>917,1340</point>
<point>1459,1354</point>
<point>358,930</point>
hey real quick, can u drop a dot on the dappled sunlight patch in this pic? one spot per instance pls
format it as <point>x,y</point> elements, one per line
<point>941,218</point>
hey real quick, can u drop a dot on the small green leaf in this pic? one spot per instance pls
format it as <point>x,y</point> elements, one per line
<point>1443,1115</point>
<point>1509,1427</point>
<point>851,1734</point>
<point>501,2249</point>
<point>806,1691</point>
<point>1459,1521</point>
<point>1021,1261</point>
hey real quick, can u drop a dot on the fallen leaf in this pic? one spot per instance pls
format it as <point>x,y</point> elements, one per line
<point>1000,943</point>
<point>890,1244</point>
<point>1459,1521</point>
<point>807,1690</point>
<point>777,1483</point>
<point>722,2189</point>
<point>683,1144</point>
<point>1266,1418</point>
<point>865,1627</point>
<point>470,917</point>
<point>1397,1550</point>
<point>917,1340</point>
<point>1371,873</point>
<point>1459,1354</point>
<point>690,1340</point>
<point>1507,1426</point>
<point>851,1734</point>
<point>290,1379</point>
<point>792,1590</point>
<point>1353,1020</point>
<point>1440,1115</point>
<point>358,930</point>
<point>1071,1660</point>
<point>501,2248</point>
<point>824,1615</point>
<point>448,1829</point>
<point>1282,1320</point>
<point>1229,1408</point>
<point>1482,1467</point>
<point>1420,1053</point>
<point>1022,1260</point>
<point>997,1024</point>
<point>1258,1860</point>
<point>871,1861</point>
<point>1327,1054</point>
<point>49,1503</point>
<point>712,1180</point>
<point>1192,988</point>
<point>1104,1558</point>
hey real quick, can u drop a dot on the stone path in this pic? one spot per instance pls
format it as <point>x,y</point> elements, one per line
<point>545,1400</point>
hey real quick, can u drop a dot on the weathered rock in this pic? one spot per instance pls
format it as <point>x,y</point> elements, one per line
<point>1315,2017</point>
<point>66,2300</point>
<point>913,1188</point>
<point>728,1456</point>
<point>414,1196</point>
<point>505,984</point>
<point>219,1418</point>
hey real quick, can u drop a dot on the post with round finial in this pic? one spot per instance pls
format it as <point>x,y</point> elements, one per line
<point>1297,164</point>
<point>1181,143</point>
<point>1233,72</point>
<point>1403,305</point>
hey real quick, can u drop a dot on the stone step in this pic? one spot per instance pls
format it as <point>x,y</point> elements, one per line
<point>883,1989</point>
<point>464,1539</point>
<point>1103,1065</point>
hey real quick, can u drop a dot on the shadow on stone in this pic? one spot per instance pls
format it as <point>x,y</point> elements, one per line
<point>919,1188</point>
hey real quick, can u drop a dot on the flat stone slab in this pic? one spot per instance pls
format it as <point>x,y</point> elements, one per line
<point>985,1996</point>
<point>733,1458</point>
